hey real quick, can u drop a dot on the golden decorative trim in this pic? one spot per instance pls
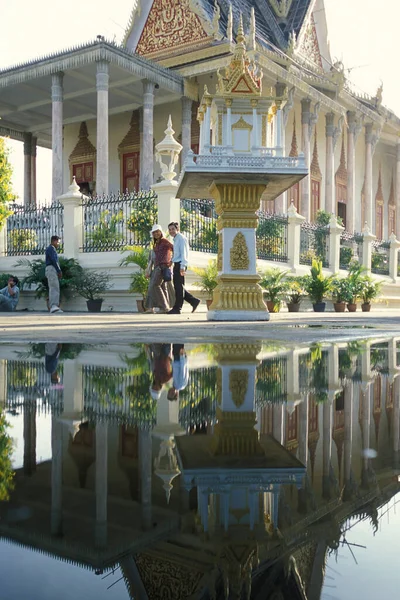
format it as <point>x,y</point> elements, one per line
<point>234,434</point>
<point>238,385</point>
<point>237,353</point>
<point>220,250</point>
<point>239,253</point>
<point>236,197</point>
<point>236,293</point>
<point>242,124</point>
<point>243,222</point>
<point>84,149</point>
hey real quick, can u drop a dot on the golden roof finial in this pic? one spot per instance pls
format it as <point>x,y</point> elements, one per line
<point>240,34</point>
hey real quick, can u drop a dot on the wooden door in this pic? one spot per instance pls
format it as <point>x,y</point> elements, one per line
<point>84,173</point>
<point>130,173</point>
<point>341,211</point>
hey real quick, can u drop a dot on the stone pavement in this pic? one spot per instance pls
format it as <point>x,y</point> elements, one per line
<point>117,328</point>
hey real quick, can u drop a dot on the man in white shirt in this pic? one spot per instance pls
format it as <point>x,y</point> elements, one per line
<point>180,260</point>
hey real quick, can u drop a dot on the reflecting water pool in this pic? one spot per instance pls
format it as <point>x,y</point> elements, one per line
<point>183,471</point>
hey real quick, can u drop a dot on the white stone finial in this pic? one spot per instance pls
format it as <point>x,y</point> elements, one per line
<point>229,26</point>
<point>366,228</point>
<point>170,149</point>
<point>252,32</point>
<point>74,187</point>
<point>292,210</point>
<point>392,237</point>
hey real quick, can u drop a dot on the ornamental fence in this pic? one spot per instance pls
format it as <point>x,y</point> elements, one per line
<point>272,237</point>
<point>350,249</point>
<point>314,243</point>
<point>29,228</point>
<point>198,221</point>
<point>380,257</point>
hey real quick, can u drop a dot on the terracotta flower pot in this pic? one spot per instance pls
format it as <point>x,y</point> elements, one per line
<point>140,306</point>
<point>293,306</point>
<point>366,306</point>
<point>208,302</point>
<point>352,307</point>
<point>339,306</point>
<point>273,307</point>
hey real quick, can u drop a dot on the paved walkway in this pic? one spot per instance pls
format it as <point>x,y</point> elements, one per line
<point>134,327</point>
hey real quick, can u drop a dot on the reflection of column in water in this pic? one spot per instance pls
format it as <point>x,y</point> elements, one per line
<point>145,462</point>
<point>101,483</point>
<point>365,428</point>
<point>348,433</point>
<point>56,476</point>
<point>278,423</point>
<point>29,437</point>
<point>327,446</point>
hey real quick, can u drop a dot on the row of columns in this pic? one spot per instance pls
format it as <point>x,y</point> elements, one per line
<point>30,150</point>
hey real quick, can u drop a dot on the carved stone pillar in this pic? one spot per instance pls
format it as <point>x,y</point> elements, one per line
<point>368,175</point>
<point>351,172</point>
<point>27,169</point>
<point>57,134</point>
<point>102,79</point>
<point>33,170</point>
<point>329,168</point>
<point>146,179</point>
<point>186,127</point>
<point>306,182</point>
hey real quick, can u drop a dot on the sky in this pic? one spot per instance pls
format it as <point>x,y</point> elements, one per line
<point>361,35</point>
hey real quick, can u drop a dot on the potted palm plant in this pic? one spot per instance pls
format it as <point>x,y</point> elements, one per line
<point>371,290</point>
<point>355,279</point>
<point>91,285</point>
<point>317,286</point>
<point>139,282</point>
<point>295,293</point>
<point>340,293</point>
<point>275,285</point>
<point>207,281</point>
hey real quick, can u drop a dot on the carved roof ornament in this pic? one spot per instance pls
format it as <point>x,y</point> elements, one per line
<point>315,170</point>
<point>341,173</point>
<point>84,148</point>
<point>241,77</point>
<point>252,32</point>
<point>378,96</point>
<point>291,44</point>
<point>131,141</point>
<point>379,192</point>
<point>136,10</point>
<point>229,26</point>
<point>210,26</point>
<point>294,151</point>
<point>281,7</point>
<point>337,74</point>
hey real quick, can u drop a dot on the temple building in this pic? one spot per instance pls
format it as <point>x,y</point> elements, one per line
<point>102,107</point>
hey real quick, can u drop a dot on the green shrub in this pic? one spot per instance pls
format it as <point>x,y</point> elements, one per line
<point>37,276</point>
<point>22,240</point>
<point>105,232</point>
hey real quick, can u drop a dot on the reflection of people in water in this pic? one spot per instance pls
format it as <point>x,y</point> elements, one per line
<point>180,371</point>
<point>160,358</point>
<point>52,355</point>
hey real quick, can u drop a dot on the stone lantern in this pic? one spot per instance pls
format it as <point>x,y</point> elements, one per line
<point>167,155</point>
<point>236,168</point>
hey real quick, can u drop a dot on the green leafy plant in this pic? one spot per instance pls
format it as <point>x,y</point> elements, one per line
<point>91,285</point>
<point>346,255</point>
<point>208,278</point>
<point>142,219</point>
<point>371,289</point>
<point>105,232</point>
<point>22,240</point>
<point>6,470</point>
<point>355,280</point>
<point>340,290</point>
<point>6,193</point>
<point>296,290</point>
<point>317,285</point>
<point>274,284</point>
<point>36,276</point>
<point>138,256</point>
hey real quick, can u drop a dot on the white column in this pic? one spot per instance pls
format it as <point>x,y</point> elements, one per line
<point>294,232</point>
<point>396,417</point>
<point>102,79</point>
<point>393,256</point>
<point>254,132</point>
<point>335,231</point>
<point>56,476</point>
<point>368,238</point>
<point>186,127</point>
<point>305,183</point>
<point>348,431</point>
<point>366,425</point>
<point>368,176</point>
<point>57,134</point>
<point>33,170</point>
<point>329,174</point>
<point>327,445</point>
<point>278,423</point>
<point>207,127</point>
<point>351,172</point>
<point>101,484</point>
<point>27,169</point>
<point>148,135</point>
<point>303,432</point>
<point>229,125</point>
<point>140,146</point>
<point>73,224</point>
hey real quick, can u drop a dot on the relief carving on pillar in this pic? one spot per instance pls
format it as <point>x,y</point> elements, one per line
<point>170,24</point>
<point>239,254</point>
<point>238,384</point>
<point>219,255</point>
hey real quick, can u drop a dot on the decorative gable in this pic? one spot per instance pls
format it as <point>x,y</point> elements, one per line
<point>315,170</point>
<point>281,7</point>
<point>341,173</point>
<point>171,25</point>
<point>308,48</point>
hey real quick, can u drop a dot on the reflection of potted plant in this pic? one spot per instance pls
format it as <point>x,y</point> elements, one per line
<point>371,290</point>
<point>139,282</point>
<point>295,293</point>
<point>355,279</point>
<point>91,285</point>
<point>317,285</point>
<point>274,285</point>
<point>339,293</point>
<point>208,280</point>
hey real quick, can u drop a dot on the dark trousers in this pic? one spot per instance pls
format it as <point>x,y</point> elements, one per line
<point>181,294</point>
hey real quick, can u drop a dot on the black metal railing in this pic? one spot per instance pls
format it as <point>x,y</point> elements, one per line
<point>314,244</point>
<point>197,402</point>
<point>380,257</point>
<point>271,387</point>
<point>29,228</point>
<point>29,384</point>
<point>271,237</point>
<point>118,220</point>
<point>199,224</point>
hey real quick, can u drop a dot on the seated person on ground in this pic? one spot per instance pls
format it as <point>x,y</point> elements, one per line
<point>9,295</point>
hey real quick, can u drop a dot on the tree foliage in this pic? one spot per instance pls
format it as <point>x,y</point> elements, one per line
<point>6,470</point>
<point>6,193</point>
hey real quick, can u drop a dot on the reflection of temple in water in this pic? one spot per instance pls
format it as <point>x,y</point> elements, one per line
<point>238,489</point>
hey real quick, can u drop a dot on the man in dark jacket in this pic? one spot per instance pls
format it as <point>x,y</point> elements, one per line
<point>53,274</point>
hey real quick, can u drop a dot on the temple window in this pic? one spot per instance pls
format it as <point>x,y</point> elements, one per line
<point>316,178</point>
<point>82,162</point>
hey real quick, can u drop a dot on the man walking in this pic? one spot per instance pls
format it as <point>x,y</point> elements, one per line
<point>53,274</point>
<point>180,260</point>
